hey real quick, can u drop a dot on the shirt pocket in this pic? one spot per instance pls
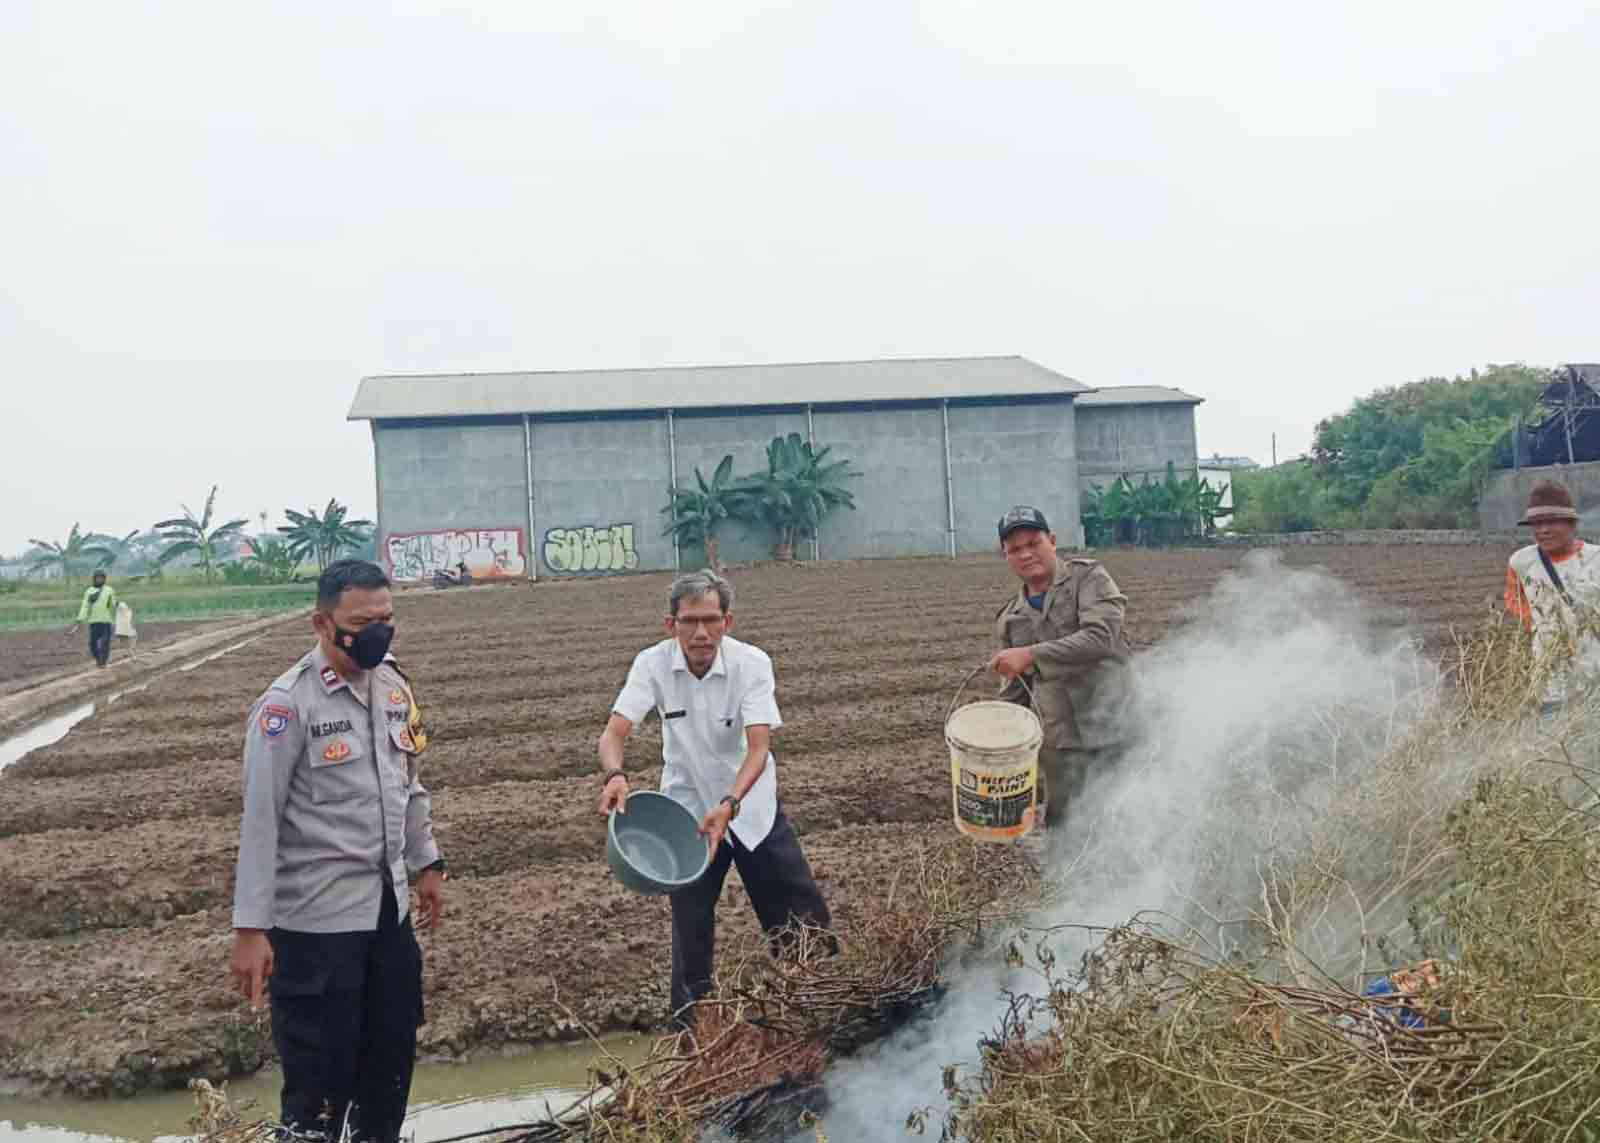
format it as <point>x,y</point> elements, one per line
<point>727,733</point>
<point>338,770</point>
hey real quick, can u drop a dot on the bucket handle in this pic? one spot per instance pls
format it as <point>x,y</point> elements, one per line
<point>1033,699</point>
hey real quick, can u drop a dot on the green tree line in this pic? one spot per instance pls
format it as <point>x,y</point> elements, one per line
<point>1408,456</point>
<point>206,541</point>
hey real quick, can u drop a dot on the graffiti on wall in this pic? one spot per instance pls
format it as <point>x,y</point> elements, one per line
<point>590,551</point>
<point>489,553</point>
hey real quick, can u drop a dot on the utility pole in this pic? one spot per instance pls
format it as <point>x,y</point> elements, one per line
<point>1274,450</point>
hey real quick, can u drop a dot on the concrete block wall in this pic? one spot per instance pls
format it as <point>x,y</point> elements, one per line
<point>1002,455</point>
<point>703,440</point>
<point>1134,439</point>
<point>900,496</point>
<point>1505,495</point>
<point>599,485</point>
<point>451,492</point>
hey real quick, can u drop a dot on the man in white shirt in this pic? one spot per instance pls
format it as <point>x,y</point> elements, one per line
<point>1553,587</point>
<point>716,700</point>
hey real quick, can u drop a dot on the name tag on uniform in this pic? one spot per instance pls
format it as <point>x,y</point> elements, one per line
<point>672,714</point>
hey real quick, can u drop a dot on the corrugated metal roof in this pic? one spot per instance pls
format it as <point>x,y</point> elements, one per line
<point>1138,395</point>
<point>691,387</point>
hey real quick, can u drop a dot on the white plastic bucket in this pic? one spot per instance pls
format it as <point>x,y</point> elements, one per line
<point>994,768</point>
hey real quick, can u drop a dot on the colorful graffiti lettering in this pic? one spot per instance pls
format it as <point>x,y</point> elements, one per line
<point>489,553</point>
<point>608,548</point>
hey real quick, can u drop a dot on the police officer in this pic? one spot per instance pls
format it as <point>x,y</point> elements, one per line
<point>716,700</point>
<point>334,821</point>
<point>1062,635</point>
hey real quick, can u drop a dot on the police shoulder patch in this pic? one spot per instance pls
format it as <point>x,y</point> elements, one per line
<point>275,719</point>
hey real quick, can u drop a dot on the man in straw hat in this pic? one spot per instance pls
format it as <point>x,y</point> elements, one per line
<point>1553,586</point>
<point>1061,633</point>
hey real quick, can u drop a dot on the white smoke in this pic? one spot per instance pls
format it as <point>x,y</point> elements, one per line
<point>1278,693</point>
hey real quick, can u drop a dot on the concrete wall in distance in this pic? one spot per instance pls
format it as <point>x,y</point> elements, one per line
<point>1505,495</point>
<point>1002,455</point>
<point>703,440</point>
<point>1134,439</point>
<point>599,484</point>
<point>900,503</point>
<point>450,493</point>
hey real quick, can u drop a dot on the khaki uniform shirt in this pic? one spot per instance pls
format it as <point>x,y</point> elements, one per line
<point>1080,674</point>
<point>331,800</point>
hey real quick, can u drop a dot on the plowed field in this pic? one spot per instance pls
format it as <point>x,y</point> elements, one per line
<point>117,843</point>
<point>25,655</point>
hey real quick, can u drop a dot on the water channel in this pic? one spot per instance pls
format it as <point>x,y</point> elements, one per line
<point>446,1099</point>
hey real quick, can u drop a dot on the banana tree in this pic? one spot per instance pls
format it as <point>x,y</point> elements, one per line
<point>799,488</point>
<point>78,550</point>
<point>273,559</point>
<point>324,536</point>
<point>695,513</point>
<point>196,535</point>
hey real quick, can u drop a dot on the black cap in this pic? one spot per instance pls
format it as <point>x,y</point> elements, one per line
<point>1022,516</point>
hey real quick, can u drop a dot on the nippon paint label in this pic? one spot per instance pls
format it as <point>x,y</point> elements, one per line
<point>992,801</point>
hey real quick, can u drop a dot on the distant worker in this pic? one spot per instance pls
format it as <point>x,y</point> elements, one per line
<point>716,698</point>
<point>1061,634</point>
<point>1553,587</point>
<point>99,610</point>
<point>125,630</point>
<point>335,822</point>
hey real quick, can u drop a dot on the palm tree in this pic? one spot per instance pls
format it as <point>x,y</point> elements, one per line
<point>190,534</point>
<point>695,513</point>
<point>325,536</point>
<point>276,561</point>
<point>798,490</point>
<point>77,550</point>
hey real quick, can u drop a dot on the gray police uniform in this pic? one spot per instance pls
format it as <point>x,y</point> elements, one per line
<point>1080,674</point>
<point>335,819</point>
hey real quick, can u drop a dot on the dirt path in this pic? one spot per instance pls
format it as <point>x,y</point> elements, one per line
<point>117,843</point>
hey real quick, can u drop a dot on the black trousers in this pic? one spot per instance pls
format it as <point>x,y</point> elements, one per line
<point>100,642</point>
<point>345,1010</point>
<point>781,888</point>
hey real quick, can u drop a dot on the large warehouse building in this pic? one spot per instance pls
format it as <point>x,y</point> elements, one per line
<point>541,474</point>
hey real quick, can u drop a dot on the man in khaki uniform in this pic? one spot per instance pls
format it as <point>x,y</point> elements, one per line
<point>335,826</point>
<point>1062,635</point>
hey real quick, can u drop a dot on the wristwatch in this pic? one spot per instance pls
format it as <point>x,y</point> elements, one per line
<point>732,801</point>
<point>610,774</point>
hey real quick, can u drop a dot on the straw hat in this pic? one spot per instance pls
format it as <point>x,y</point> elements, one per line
<point>1549,501</point>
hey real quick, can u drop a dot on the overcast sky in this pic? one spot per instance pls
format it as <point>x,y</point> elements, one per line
<point>215,218</point>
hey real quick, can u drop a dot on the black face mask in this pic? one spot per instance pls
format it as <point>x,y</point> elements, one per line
<point>367,646</point>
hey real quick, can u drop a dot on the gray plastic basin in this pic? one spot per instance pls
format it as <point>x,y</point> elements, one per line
<point>656,846</point>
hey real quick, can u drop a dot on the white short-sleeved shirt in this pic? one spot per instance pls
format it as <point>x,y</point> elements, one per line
<point>702,727</point>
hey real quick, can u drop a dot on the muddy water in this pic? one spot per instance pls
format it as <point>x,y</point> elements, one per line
<point>446,1099</point>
